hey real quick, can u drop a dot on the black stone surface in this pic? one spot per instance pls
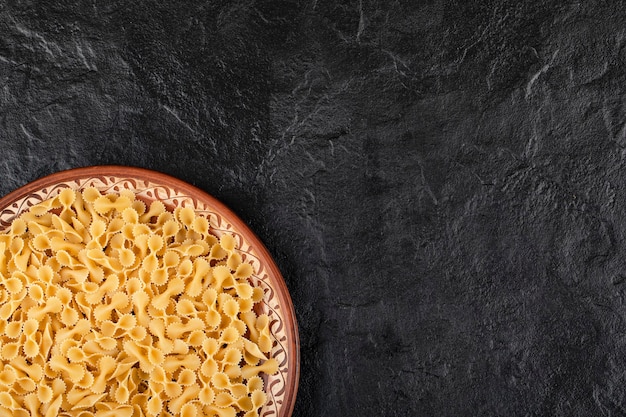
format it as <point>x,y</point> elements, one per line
<point>442,183</point>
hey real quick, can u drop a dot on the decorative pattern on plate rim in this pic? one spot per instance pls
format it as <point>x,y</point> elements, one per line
<point>147,190</point>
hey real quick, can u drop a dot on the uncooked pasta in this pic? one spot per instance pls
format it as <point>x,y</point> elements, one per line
<point>112,308</point>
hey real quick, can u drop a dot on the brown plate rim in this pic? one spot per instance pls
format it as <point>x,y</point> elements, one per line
<point>180,185</point>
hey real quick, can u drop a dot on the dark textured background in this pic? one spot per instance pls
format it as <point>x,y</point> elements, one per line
<point>442,183</point>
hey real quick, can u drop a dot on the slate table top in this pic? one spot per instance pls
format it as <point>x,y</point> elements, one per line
<point>442,183</point>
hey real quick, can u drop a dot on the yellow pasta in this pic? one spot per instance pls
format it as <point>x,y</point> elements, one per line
<point>111,308</point>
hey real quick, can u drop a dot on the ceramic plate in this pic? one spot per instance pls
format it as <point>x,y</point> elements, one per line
<point>149,185</point>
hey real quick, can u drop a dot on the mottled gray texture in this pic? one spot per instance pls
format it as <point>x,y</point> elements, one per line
<point>442,183</point>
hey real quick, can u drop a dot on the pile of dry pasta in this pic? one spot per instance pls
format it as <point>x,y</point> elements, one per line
<point>110,308</point>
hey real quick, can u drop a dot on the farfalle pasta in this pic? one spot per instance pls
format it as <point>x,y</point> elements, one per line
<point>109,307</point>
